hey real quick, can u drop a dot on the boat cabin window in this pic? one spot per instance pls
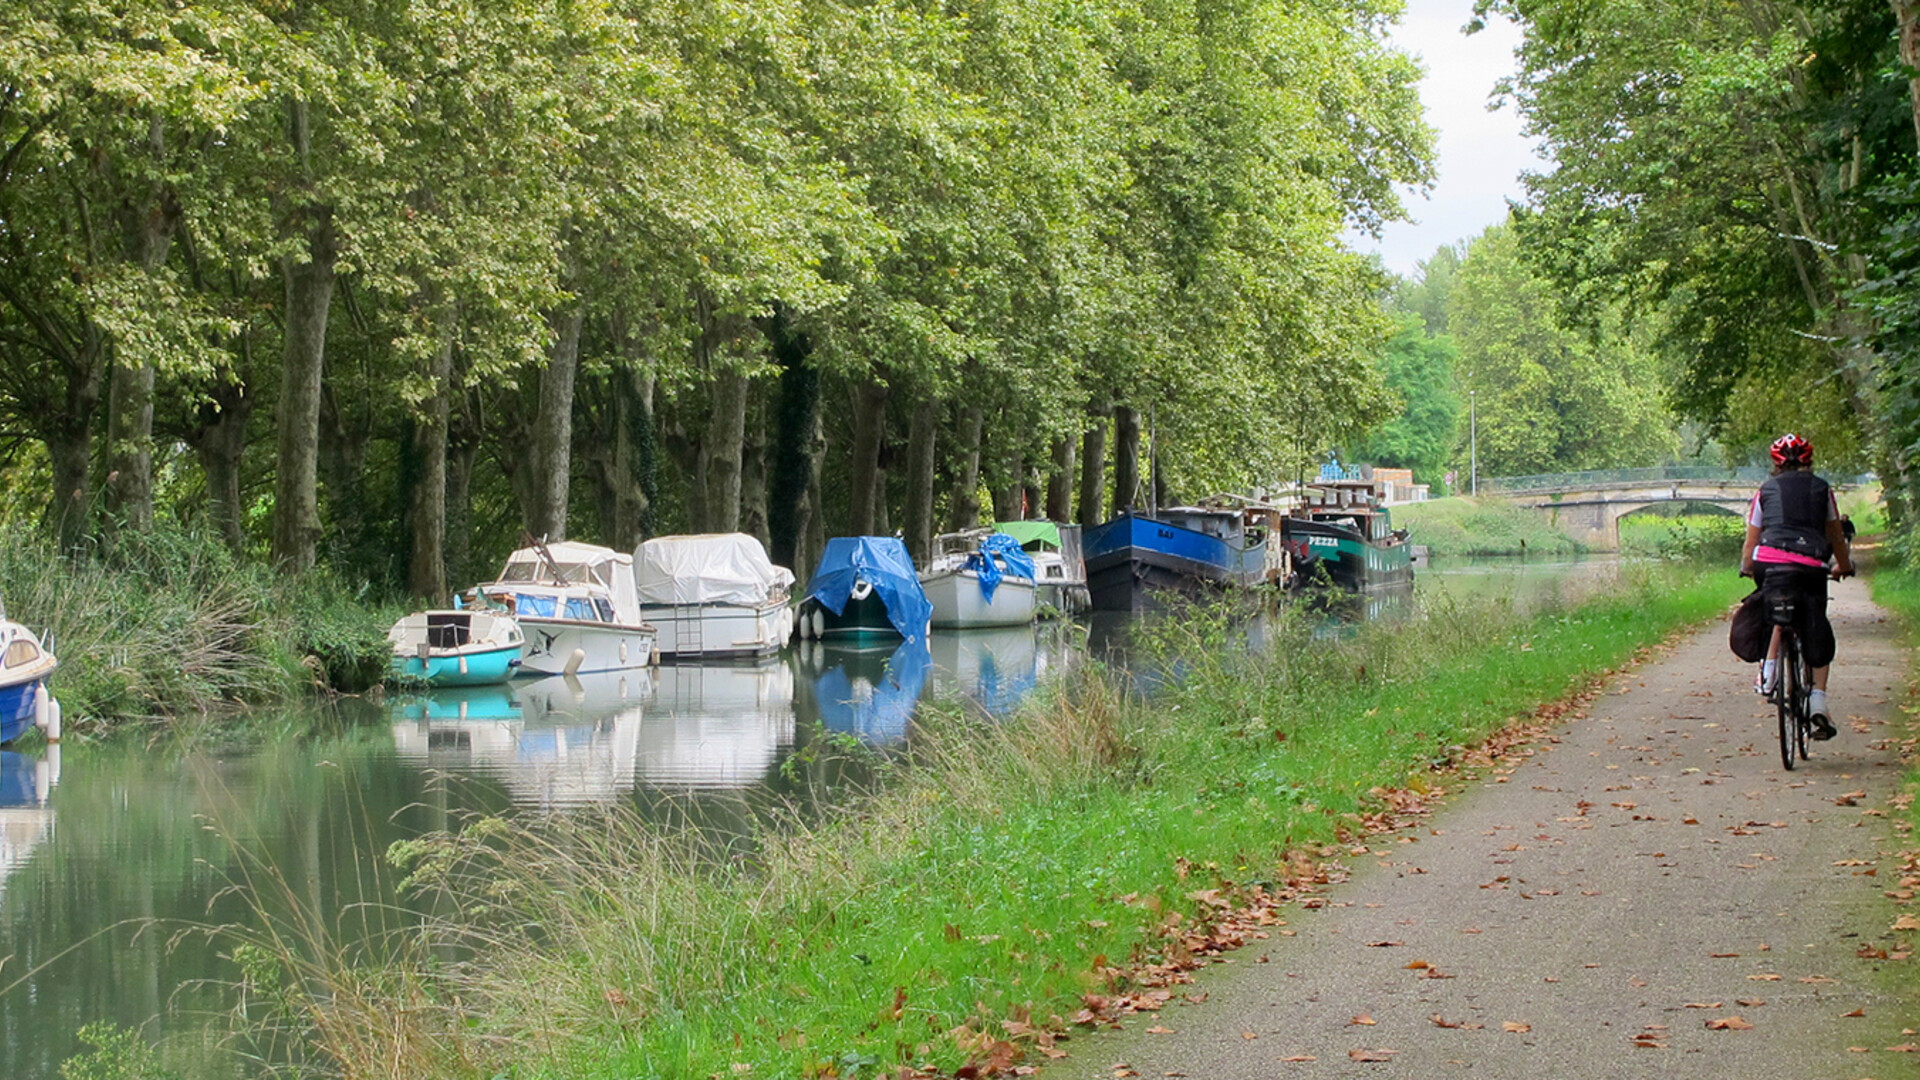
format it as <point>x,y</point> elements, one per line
<point>22,652</point>
<point>604,607</point>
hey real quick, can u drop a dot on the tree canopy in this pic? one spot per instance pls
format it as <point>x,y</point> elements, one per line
<point>384,284</point>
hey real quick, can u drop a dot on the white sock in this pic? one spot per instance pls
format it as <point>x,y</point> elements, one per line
<point>1766,671</point>
<point>1817,702</point>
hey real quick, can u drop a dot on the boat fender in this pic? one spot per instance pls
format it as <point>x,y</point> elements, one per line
<point>653,658</point>
<point>861,590</point>
<point>47,713</point>
<point>819,624</point>
<point>573,662</point>
<point>623,653</point>
<point>463,665</point>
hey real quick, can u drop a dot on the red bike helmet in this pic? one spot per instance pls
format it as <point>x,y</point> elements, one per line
<point>1791,449</point>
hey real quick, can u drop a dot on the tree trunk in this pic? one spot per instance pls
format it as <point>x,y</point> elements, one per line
<point>147,225</point>
<point>553,427</point>
<point>1907,14</point>
<point>309,297</point>
<point>427,504</point>
<point>794,466</point>
<point>463,446</point>
<point>1010,493</point>
<point>966,488</point>
<point>1126,463</point>
<point>869,431</point>
<point>721,451</point>
<point>1060,482</point>
<point>1093,475</point>
<point>753,467</point>
<point>813,518</point>
<point>220,443</point>
<point>625,461</point>
<point>921,433</point>
<point>70,446</point>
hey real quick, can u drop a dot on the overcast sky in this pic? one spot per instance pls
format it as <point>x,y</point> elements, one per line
<point>1480,153</point>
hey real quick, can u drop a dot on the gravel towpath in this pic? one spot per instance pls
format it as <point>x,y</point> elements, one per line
<point>1646,893</point>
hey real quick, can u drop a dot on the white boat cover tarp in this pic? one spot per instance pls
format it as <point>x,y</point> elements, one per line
<point>716,568</point>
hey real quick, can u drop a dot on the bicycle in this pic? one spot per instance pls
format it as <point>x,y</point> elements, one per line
<point>1792,691</point>
<point>1792,688</point>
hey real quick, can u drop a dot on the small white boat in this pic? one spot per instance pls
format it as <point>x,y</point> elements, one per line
<point>461,647</point>
<point>980,579</point>
<point>713,597</point>
<point>577,606</point>
<point>25,698</point>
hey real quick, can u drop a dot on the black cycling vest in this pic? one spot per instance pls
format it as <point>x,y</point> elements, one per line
<point>1793,514</point>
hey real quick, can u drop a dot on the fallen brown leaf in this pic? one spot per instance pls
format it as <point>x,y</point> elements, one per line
<point>1729,1023</point>
<point>1904,1048</point>
<point>1363,1019</point>
<point>1159,1029</point>
<point>1906,922</point>
<point>1702,1005</point>
<point>1751,1003</point>
<point>1764,978</point>
<point>1363,1054</point>
<point>1515,1026</point>
<point>1854,1013</point>
<point>1300,1057</point>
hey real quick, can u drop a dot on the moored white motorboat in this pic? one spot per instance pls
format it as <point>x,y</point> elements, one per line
<point>980,580</point>
<point>714,596</point>
<point>25,698</point>
<point>460,647</point>
<point>577,606</point>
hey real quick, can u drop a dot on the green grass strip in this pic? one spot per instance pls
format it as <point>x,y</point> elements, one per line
<point>1000,869</point>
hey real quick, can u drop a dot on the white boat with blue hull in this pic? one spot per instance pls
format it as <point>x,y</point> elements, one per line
<point>459,647</point>
<point>26,701</point>
<point>577,606</point>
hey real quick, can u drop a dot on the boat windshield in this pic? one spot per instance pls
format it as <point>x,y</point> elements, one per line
<point>581,608</point>
<point>539,570</point>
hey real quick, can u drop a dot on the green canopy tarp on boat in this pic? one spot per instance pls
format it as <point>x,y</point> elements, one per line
<point>1026,532</point>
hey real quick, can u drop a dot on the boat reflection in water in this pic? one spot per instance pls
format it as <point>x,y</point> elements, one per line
<point>717,725</point>
<point>561,741</point>
<point>993,668</point>
<point>25,818</point>
<point>551,743</point>
<point>866,692</point>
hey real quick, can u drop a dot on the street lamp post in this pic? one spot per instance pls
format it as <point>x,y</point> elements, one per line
<point>1473,440</point>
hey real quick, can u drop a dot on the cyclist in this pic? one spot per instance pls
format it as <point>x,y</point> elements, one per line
<point>1794,528</point>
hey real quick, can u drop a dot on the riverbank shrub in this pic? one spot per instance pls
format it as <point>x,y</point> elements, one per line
<point>170,624</point>
<point>1000,873</point>
<point>1487,525</point>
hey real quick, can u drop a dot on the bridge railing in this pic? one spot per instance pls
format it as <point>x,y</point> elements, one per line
<point>1573,481</point>
<point>1593,478</point>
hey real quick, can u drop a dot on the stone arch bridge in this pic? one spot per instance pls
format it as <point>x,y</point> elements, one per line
<point>1588,506</point>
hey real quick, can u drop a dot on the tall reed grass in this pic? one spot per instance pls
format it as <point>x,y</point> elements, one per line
<point>169,625</point>
<point>998,874</point>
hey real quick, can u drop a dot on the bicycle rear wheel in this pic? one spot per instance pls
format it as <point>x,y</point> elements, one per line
<point>1803,677</point>
<point>1786,696</point>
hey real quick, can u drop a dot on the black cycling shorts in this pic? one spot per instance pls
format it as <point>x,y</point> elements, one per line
<point>1810,582</point>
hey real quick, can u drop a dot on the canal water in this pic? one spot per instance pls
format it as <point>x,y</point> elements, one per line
<point>115,859</point>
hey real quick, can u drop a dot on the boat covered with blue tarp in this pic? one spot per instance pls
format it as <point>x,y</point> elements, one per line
<point>865,585</point>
